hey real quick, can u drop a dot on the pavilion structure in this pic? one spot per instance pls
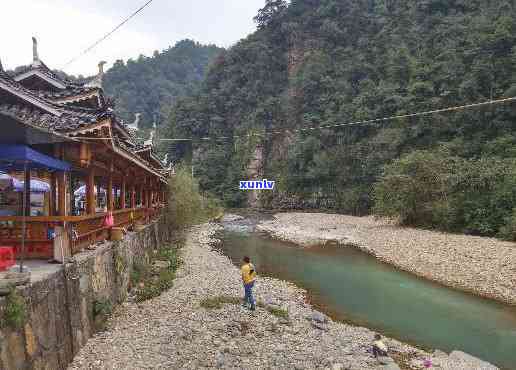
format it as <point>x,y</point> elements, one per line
<point>111,172</point>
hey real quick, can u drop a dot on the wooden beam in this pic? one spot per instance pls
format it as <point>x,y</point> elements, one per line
<point>91,203</point>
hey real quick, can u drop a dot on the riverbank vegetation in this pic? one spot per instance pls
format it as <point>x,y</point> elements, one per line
<point>324,63</point>
<point>151,278</point>
<point>15,311</point>
<point>187,205</point>
<point>440,189</point>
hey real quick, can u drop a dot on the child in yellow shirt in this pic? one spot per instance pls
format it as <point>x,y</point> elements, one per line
<point>248,278</point>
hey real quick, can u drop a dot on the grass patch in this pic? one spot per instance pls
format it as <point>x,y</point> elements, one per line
<point>215,303</point>
<point>15,312</point>
<point>278,312</point>
<point>150,281</point>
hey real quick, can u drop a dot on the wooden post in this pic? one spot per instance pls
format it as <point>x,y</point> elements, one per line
<point>133,196</point>
<point>52,211</point>
<point>109,192</point>
<point>122,193</point>
<point>90,193</point>
<point>61,193</point>
<point>26,192</point>
<point>148,194</point>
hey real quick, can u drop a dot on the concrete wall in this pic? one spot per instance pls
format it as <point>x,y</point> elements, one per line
<point>60,307</point>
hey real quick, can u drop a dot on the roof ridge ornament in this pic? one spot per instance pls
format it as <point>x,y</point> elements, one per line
<point>96,82</point>
<point>1,67</point>
<point>101,68</point>
<point>35,57</point>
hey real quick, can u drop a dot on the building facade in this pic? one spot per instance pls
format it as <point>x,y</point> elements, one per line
<point>114,180</point>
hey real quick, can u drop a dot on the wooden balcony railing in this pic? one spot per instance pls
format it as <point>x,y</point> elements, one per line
<point>85,230</point>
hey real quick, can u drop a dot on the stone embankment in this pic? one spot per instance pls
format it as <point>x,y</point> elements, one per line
<point>60,302</point>
<point>483,266</point>
<point>173,331</point>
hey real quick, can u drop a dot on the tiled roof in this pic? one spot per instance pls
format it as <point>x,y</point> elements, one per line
<point>18,88</point>
<point>45,112</point>
<point>67,93</point>
<point>69,120</point>
<point>42,67</point>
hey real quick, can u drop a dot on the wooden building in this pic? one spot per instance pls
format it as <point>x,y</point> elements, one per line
<point>111,172</point>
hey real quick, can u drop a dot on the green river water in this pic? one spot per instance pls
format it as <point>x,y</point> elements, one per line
<point>352,286</point>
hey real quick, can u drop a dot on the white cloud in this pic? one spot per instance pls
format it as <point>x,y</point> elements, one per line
<point>65,28</point>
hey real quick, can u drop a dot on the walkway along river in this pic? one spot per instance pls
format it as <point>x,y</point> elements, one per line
<point>354,287</point>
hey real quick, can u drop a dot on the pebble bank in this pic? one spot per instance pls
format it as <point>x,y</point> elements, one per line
<point>174,332</point>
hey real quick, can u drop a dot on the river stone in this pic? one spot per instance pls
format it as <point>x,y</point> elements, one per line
<point>320,326</point>
<point>219,357</point>
<point>385,360</point>
<point>319,317</point>
<point>161,264</point>
<point>392,366</point>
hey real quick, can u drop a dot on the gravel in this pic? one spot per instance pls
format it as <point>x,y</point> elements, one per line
<point>173,332</point>
<point>483,266</point>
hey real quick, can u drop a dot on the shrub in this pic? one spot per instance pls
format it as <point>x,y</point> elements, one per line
<point>435,189</point>
<point>508,231</point>
<point>186,204</point>
<point>102,307</point>
<point>412,185</point>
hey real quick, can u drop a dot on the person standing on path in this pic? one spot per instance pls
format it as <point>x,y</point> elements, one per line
<point>248,278</point>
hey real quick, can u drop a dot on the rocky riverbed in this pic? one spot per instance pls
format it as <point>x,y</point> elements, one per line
<point>483,266</point>
<point>173,331</point>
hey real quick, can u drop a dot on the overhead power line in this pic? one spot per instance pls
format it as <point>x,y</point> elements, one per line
<point>359,123</point>
<point>87,50</point>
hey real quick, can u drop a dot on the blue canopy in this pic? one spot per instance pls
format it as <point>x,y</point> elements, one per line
<point>14,157</point>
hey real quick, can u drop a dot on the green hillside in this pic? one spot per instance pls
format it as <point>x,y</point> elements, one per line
<point>149,85</point>
<point>324,62</point>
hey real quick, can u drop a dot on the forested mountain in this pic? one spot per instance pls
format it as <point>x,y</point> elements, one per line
<point>150,85</point>
<point>315,63</point>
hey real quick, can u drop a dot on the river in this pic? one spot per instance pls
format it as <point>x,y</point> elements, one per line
<point>353,286</point>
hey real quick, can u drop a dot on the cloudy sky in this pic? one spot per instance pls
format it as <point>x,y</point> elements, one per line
<point>64,28</point>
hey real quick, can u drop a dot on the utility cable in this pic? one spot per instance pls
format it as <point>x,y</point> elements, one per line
<point>87,50</point>
<point>358,123</point>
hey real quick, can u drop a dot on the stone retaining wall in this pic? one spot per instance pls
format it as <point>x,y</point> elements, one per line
<point>60,308</point>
